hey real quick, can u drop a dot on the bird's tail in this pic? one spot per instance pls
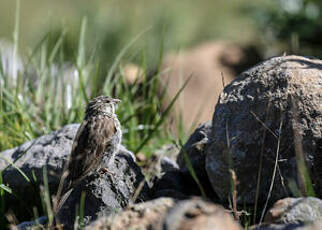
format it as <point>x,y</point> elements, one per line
<point>64,188</point>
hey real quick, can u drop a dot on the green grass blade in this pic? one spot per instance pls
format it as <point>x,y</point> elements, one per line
<point>5,188</point>
<point>58,44</point>
<point>119,57</point>
<point>47,197</point>
<point>164,115</point>
<point>192,171</point>
<point>81,210</point>
<point>14,166</point>
<point>81,46</point>
<point>16,39</point>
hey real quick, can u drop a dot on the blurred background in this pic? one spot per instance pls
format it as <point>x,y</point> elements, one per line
<point>272,26</point>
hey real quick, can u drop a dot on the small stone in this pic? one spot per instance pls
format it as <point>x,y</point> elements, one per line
<point>144,216</point>
<point>295,210</point>
<point>40,222</point>
<point>198,214</point>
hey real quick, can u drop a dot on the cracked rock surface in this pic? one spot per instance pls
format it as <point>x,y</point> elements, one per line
<point>257,113</point>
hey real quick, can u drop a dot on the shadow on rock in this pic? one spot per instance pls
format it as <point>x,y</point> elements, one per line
<point>178,182</point>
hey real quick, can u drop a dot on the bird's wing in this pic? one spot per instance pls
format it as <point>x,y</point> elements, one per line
<point>100,130</point>
<point>108,131</point>
<point>80,133</point>
<point>80,146</point>
<point>101,138</point>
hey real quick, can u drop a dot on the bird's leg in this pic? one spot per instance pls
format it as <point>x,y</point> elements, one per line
<point>107,163</point>
<point>104,170</point>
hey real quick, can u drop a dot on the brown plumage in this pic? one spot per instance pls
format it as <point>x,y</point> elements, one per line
<point>97,140</point>
<point>98,135</point>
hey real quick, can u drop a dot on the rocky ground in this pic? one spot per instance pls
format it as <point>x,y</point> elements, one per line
<point>266,124</point>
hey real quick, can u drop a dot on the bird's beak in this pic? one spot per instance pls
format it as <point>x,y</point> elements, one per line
<point>116,100</point>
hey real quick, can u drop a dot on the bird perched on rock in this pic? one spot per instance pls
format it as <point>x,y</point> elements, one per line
<point>99,134</point>
<point>98,139</point>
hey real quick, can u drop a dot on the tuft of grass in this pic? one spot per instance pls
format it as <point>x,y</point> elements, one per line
<point>47,199</point>
<point>50,93</point>
<point>162,118</point>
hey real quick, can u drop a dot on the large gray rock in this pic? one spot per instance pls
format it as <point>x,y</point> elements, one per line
<point>252,108</point>
<point>105,193</point>
<point>52,151</point>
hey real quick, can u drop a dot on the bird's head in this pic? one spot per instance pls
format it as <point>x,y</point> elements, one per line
<point>103,104</point>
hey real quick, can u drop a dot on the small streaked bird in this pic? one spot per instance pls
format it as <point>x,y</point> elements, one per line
<point>97,141</point>
<point>98,136</point>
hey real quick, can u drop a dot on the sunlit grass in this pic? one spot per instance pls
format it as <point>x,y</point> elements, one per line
<point>50,93</point>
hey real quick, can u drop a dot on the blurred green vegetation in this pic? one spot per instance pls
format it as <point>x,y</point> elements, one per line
<point>291,26</point>
<point>113,23</point>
